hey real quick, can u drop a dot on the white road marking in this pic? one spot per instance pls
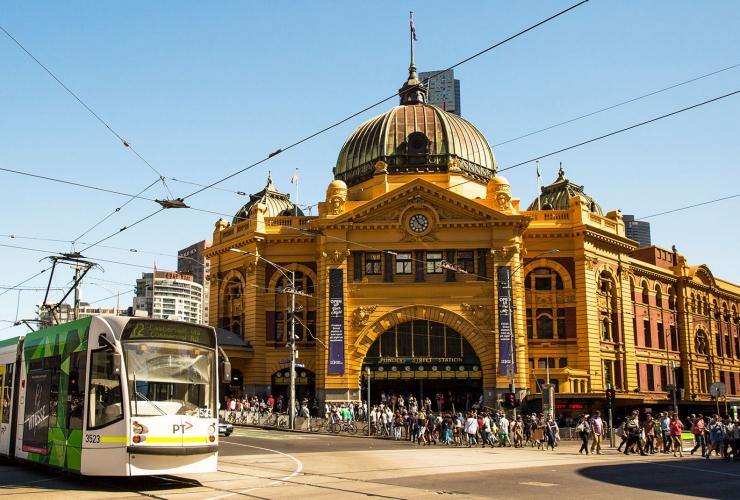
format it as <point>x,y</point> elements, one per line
<point>299,468</point>
<point>535,483</point>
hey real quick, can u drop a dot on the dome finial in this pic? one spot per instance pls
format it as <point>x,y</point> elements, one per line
<point>269,184</point>
<point>561,172</point>
<point>413,91</point>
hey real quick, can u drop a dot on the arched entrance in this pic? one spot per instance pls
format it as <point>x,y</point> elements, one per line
<point>305,384</point>
<point>424,359</point>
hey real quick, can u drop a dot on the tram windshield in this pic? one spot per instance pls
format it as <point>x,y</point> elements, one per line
<point>168,378</point>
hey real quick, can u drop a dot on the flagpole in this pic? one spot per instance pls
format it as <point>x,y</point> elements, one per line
<point>539,189</point>
<point>294,179</point>
<point>411,36</point>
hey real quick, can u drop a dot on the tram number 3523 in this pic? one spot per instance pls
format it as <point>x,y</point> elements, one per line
<point>92,438</point>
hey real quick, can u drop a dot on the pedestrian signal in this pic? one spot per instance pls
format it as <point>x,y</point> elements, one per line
<point>510,400</point>
<point>611,396</point>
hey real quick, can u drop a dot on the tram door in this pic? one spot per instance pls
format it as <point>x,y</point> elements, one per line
<point>6,397</point>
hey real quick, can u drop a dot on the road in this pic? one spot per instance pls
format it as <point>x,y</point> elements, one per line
<point>272,464</point>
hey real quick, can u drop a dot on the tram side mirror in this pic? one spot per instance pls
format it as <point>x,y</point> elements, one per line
<point>116,356</point>
<point>226,372</point>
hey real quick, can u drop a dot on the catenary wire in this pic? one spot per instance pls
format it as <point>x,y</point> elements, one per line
<point>115,211</point>
<point>125,143</point>
<point>280,150</point>
<point>25,281</point>
<point>628,101</point>
<point>367,108</point>
<point>716,200</point>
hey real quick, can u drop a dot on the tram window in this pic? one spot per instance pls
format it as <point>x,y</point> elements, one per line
<point>7,385</point>
<point>76,392</point>
<point>104,393</point>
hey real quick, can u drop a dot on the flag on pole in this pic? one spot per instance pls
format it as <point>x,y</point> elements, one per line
<point>413,28</point>
<point>539,190</point>
<point>294,179</point>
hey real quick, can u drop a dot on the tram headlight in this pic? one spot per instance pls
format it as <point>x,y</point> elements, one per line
<point>138,428</point>
<point>212,429</point>
<point>211,438</point>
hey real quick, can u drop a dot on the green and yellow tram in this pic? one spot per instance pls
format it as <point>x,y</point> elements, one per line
<point>112,396</point>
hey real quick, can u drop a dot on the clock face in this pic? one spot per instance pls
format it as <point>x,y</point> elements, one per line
<point>418,223</point>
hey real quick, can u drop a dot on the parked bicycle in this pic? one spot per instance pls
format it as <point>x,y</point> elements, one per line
<point>347,426</point>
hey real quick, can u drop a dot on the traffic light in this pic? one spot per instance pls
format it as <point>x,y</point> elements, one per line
<point>611,396</point>
<point>510,400</point>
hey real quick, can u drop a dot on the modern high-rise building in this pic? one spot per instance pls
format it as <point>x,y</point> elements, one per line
<point>190,260</point>
<point>443,90</point>
<point>637,230</point>
<point>169,295</point>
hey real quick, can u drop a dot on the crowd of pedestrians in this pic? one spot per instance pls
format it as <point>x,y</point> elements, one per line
<point>425,423</point>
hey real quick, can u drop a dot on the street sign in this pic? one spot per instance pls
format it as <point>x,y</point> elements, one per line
<point>717,389</point>
<point>668,387</point>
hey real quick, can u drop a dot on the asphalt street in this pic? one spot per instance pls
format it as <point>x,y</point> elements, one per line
<point>257,463</point>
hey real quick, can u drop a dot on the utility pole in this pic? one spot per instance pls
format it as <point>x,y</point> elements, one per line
<point>77,293</point>
<point>367,413</point>
<point>291,411</point>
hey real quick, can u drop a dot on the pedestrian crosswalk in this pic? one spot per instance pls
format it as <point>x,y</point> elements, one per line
<point>270,434</point>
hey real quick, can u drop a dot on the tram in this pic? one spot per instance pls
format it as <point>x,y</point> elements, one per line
<point>112,396</point>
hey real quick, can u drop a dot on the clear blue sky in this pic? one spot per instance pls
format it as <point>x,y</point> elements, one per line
<point>204,88</point>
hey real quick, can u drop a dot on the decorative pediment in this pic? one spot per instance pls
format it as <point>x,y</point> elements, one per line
<point>423,195</point>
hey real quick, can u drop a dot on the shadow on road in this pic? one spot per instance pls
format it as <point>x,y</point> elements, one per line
<point>693,477</point>
<point>21,477</point>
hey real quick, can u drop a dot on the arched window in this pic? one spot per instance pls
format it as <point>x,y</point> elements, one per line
<point>545,326</point>
<point>231,318</point>
<point>606,330</point>
<point>658,296</point>
<point>543,279</point>
<point>701,342</point>
<point>645,293</point>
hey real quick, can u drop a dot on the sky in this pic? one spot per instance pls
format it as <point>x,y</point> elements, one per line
<point>202,89</point>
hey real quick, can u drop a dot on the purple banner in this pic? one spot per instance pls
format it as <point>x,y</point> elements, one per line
<point>506,365</point>
<point>336,322</point>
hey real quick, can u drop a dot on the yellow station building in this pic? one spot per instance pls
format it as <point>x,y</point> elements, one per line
<point>404,273</point>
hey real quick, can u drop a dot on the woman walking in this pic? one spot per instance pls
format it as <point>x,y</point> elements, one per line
<point>584,431</point>
<point>676,428</point>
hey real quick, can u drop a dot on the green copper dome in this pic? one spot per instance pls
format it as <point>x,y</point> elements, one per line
<point>278,204</point>
<point>557,195</point>
<point>415,137</point>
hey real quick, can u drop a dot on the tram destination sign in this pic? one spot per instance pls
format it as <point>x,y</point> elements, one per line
<point>168,330</point>
<point>336,322</point>
<point>507,365</point>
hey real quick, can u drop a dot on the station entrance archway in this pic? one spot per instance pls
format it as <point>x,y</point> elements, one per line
<point>425,359</point>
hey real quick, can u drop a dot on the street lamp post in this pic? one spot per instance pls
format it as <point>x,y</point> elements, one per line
<point>293,353</point>
<point>512,336</point>
<point>367,412</point>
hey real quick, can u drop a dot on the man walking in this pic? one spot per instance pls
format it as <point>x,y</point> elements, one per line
<point>633,430</point>
<point>597,431</point>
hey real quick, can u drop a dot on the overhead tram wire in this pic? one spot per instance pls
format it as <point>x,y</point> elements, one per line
<point>604,136</point>
<point>125,143</point>
<point>280,150</point>
<point>115,211</point>
<point>15,287</point>
<point>378,103</point>
<point>625,129</point>
<point>628,101</point>
<point>582,143</point>
<point>716,200</point>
